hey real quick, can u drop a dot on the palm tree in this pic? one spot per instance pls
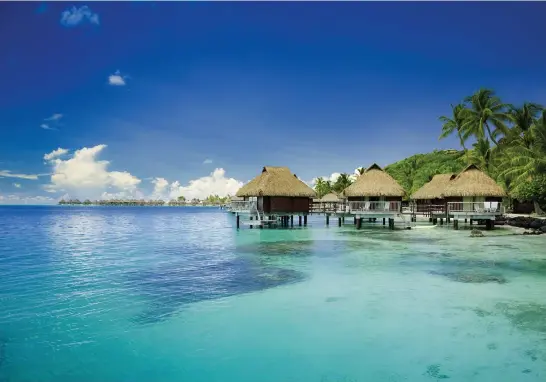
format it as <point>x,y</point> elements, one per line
<point>523,119</point>
<point>454,124</point>
<point>481,155</point>
<point>322,187</point>
<point>360,171</point>
<point>342,182</point>
<point>525,162</point>
<point>486,116</point>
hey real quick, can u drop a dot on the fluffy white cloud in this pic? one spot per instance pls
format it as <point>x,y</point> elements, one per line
<point>207,161</point>
<point>116,79</point>
<point>75,16</point>
<point>333,177</point>
<point>55,154</point>
<point>9,174</point>
<point>215,184</point>
<point>83,175</point>
<point>160,187</point>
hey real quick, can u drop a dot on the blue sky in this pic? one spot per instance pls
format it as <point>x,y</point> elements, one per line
<point>155,95</point>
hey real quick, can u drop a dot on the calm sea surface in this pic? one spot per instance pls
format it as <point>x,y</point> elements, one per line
<point>178,294</point>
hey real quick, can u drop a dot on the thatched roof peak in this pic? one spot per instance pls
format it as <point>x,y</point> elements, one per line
<point>374,182</point>
<point>473,182</point>
<point>374,166</point>
<point>434,188</point>
<point>276,181</point>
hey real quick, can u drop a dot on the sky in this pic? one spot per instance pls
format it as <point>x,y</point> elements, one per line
<point>161,99</point>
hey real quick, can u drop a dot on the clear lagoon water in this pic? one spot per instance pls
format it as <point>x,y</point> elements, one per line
<point>178,294</point>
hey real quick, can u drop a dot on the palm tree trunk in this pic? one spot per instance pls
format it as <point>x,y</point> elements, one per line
<point>538,210</point>
<point>461,140</point>
<point>490,135</point>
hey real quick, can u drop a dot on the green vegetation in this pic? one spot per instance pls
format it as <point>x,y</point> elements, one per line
<point>413,172</point>
<point>507,142</point>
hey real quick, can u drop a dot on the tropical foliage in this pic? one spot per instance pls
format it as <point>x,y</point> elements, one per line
<point>509,142</point>
<point>323,187</point>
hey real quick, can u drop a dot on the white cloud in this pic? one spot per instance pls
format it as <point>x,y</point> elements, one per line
<point>75,16</point>
<point>116,79</point>
<point>207,161</point>
<point>333,177</point>
<point>55,153</point>
<point>9,174</point>
<point>17,185</point>
<point>215,184</point>
<point>51,121</point>
<point>54,117</point>
<point>85,176</point>
<point>45,126</point>
<point>160,186</point>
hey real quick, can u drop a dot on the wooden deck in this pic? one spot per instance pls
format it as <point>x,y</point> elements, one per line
<point>474,210</point>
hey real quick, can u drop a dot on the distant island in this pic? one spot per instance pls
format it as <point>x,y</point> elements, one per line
<point>212,200</point>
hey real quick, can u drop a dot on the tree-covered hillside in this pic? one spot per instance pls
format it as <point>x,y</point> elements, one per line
<point>415,171</point>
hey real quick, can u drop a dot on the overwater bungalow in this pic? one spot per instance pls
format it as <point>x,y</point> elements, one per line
<point>276,192</point>
<point>374,194</point>
<point>329,203</point>
<point>473,195</point>
<point>429,199</point>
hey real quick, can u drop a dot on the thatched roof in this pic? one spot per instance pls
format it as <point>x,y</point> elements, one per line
<point>236,199</point>
<point>332,197</point>
<point>374,182</point>
<point>473,182</point>
<point>276,181</point>
<point>435,188</point>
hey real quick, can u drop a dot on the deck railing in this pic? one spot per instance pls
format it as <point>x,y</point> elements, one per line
<point>478,208</point>
<point>326,207</point>
<point>243,206</point>
<point>374,207</point>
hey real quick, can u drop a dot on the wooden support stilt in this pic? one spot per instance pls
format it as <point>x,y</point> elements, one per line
<point>359,223</point>
<point>384,221</point>
<point>435,221</point>
<point>291,220</point>
<point>470,222</point>
<point>391,223</point>
<point>355,220</point>
<point>251,224</point>
<point>238,221</point>
<point>489,224</point>
<point>343,219</point>
<point>455,223</point>
<point>369,220</point>
<point>327,219</point>
<point>466,220</point>
<point>441,221</point>
<point>305,220</point>
<point>299,222</point>
<point>339,222</point>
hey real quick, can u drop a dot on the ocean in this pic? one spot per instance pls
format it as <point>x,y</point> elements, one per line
<point>134,294</point>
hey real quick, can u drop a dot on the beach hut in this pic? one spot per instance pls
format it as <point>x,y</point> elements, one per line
<point>429,199</point>
<point>374,194</point>
<point>472,194</point>
<point>276,191</point>
<point>328,203</point>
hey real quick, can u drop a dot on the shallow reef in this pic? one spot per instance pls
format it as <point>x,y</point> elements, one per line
<point>471,277</point>
<point>168,289</point>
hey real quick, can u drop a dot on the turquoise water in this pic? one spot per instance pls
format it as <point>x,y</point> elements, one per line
<point>178,294</point>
